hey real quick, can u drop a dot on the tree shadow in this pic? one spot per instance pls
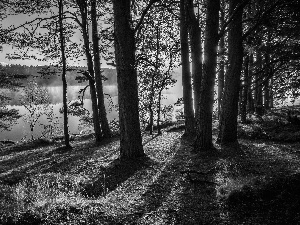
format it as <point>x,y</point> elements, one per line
<point>15,167</point>
<point>159,191</point>
<point>114,175</point>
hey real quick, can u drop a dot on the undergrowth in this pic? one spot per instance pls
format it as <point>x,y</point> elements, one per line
<point>40,199</point>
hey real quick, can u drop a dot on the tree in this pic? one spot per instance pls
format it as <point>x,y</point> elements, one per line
<point>157,56</point>
<point>64,68</point>
<point>186,75</point>
<point>97,68</point>
<point>203,141</point>
<point>130,134</point>
<point>90,74</point>
<point>37,102</point>
<point>228,127</point>
<point>196,51</point>
<point>222,52</point>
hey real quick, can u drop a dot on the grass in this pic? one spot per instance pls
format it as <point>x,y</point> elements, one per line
<point>89,185</point>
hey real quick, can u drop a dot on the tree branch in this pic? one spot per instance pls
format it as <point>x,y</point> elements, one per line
<point>144,14</point>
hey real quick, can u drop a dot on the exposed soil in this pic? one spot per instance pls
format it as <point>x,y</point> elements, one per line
<point>172,185</point>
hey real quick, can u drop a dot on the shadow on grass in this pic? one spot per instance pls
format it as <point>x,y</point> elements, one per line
<point>158,194</point>
<point>114,175</point>
<point>270,201</point>
<point>26,146</point>
<point>15,167</point>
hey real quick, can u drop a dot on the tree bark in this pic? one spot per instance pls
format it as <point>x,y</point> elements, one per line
<point>228,128</point>
<point>203,140</point>
<point>186,78</point>
<point>130,134</point>
<point>221,74</point>
<point>159,112</point>
<point>271,92</point>
<point>196,51</point>
<point>64,81</point>
<point>258,86</point>
<point>250,104</point>
<point>97,68</point>
<point>245,90</point>
<point>266,84</point>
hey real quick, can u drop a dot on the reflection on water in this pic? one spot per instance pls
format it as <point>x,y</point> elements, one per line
<point>21,130</point>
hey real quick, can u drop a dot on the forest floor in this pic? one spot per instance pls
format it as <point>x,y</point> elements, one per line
<point>46,184</point>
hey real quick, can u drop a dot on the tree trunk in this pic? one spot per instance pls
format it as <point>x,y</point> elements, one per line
<point>150,118</point>
<point>250,103</point>
<point>158,113</point>
<point>258,86</point>
<point>64,68</point>
<point>186,78</point>
<point>203,140</point>
<point>196,51</point>
<point>83,11</point>
<point>228,128</point>
<point>221,74</point>
<point>97,67</point>
<point>130,134</point>
<point>271,92</point>
<point>266,84</point>
<point>245,90</point>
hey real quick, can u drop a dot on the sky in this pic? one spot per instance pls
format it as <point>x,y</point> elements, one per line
<point>7,49</point>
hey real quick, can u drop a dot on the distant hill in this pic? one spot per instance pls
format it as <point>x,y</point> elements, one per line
<point>53,77</point>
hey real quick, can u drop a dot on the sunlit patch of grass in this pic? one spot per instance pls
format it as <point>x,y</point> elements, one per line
<point>40,195</point>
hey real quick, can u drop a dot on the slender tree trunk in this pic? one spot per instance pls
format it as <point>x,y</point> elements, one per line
<point>245,90</point>
<point>151,118</point>
<point>64,68</point>
<point>186,77</point>
<point>230,101</point>
<point>221,74</point>
<point>130,134</point>
<point>97,67</point>
<point>250,78</point>
<point>258,86</point>
<point>196,51</point>
<point>159,112</point>
<point>266,84</point>
<point>271,92</point>
<point>203,140</point>
<point>83,11</point>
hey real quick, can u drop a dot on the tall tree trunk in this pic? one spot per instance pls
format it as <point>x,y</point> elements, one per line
<point>151,117</point>
<point>96,122</point>
<point>97,68</point>
<point>186,77</point>
<point>196,51</point>
<point>258,86</point>
<point>221,74</point>
<point>228,129</point>
<point>271,92</point>
<point>159,112</point>
<point>245,90</point>
<point>203,140</point>
<point>64,68</point>
<point>250,103</point>
<point>130,134</point>
<point>266,84</point>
